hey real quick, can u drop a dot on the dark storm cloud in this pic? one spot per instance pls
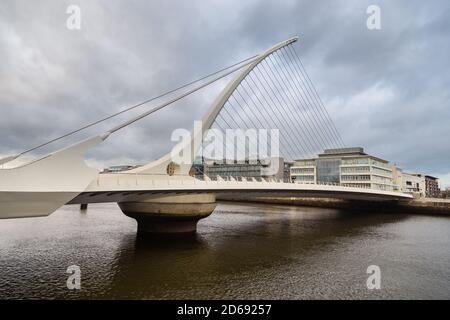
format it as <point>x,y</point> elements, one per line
<point>387,89</point>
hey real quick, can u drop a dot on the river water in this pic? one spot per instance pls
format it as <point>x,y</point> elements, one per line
<point>241,251</point>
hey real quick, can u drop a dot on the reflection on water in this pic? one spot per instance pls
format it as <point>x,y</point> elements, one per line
<point>241,251</point>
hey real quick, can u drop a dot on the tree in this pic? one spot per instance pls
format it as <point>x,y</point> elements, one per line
<point>445,193</point>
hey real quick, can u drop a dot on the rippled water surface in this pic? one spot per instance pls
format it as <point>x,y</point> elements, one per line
<point>241,251</point>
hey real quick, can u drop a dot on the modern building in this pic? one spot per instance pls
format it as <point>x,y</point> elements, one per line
<point>345,166</point>
<point>271,168</point>
<point>432,187</point>
<point>304,171</point>
<point>397,178</point>
<point>413,183</point>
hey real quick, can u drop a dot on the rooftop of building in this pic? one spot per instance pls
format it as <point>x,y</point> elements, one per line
<point>305,159</point>
<point>416,174</point>
<point>353,152</point>
<point>344,151</point>
<point>247,161</point>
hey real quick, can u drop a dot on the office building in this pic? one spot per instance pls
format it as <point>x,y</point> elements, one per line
<point>271,168</point>
<point>418,184</point>
<point>414,183</point>
<point>432,187</point>
<point>397,178</point>
<point>345,166</point>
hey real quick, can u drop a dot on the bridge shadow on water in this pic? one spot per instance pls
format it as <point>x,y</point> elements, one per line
<point>238,250</point>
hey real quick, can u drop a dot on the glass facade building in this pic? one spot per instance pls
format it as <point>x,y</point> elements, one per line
<point>328,170</point>
<point>349,167</point>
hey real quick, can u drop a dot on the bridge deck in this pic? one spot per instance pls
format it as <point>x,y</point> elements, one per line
<point>137,187</point>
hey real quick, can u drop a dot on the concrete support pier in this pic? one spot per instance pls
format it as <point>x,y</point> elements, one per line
<point>170,214</point>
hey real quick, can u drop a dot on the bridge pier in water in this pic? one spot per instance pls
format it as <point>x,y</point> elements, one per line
<point>170,214</point>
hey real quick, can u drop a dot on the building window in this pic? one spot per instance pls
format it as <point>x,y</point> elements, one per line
<point>355,178</point>
<point>302,170</point>
<point>304,178</point>
<point>328,170</point>
<point>355,169</point>
<point>356,161</point>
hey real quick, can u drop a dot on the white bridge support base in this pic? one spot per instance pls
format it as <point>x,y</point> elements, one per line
<point>170,214</point>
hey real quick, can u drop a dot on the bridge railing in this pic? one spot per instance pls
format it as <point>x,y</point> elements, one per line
<point>125,179</point>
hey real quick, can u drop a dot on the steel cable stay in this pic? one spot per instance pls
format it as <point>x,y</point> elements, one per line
<point>216,123</point>
<point>317,110</point>
<point>310,134</point>
<point>244,123</point>
<point>249,115</point>
<point>307,135</point>
<point>236,111</point>
<point>281,122</point>
<point>268,124</point>
<point>246,109</point>
<point>302,74</point>
<point>310,102</point>
<point>313,88</point>
<point>235,150</point>
<point>297,92</point>
<point>241,143</point>
<point>287,104</point>
<point>302,145</point>
<point>226,71</point>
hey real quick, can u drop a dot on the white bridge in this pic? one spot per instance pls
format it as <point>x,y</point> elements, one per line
<point>171,200</point>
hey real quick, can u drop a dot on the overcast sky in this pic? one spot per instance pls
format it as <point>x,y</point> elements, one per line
<point>387,90</point>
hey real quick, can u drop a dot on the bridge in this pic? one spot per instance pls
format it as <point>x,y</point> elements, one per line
<point>269,90</point>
